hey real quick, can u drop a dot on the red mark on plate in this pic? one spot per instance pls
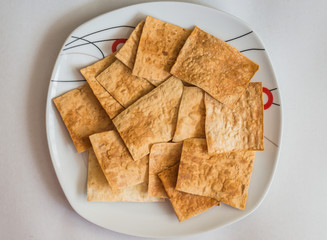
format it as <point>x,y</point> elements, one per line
<point>116,43</point>
<point>270,98</point>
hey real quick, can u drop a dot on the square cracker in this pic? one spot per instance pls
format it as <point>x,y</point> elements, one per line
<point>126,88</point>
<point>185,205</point>
<point>82,115</point>
<point>117,164</point>
<point>159,46</point>
<point>215,66</point>
<point>239,128</point>
<point>127,52</point>
<point>224,177</point>
<point>110,105</point>
<point>151,119</point>
<point>162,156</point>
<point>191,115</point>
<point>98,188</point>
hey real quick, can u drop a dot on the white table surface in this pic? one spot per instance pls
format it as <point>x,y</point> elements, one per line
<point>32,204</point>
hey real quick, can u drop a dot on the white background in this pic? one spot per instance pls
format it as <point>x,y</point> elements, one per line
<point>32,204</point>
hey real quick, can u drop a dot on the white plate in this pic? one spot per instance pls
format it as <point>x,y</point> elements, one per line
<point>96,38</point>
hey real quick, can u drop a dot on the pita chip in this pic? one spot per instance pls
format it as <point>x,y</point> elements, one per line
<point>224,177</point>
<point>162,156</point>
<point>214,66</point>
<point>118,80</point>
<point>151,119</point>
<point>83,115</point>
<point>98,188</point>
<point>185,205</point>
<point>127,52</point>
<point>191,115</point>
<point>239,128</point>
<point>110,105</point>
<point>117,164</point>
<point>158,48</point>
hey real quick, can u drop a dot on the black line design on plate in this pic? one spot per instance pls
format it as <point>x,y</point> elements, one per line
<point>272,89</point>
<point>251,49</point>
<point>105,29</point>
<point>82,44</point>
<point>271,141</point>
<point>86,54</point>
<point>276,104</point>
<point>68,80</point>
<point>90,43</point>
<point>232,39</point>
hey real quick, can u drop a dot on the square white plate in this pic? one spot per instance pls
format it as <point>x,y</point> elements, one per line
<point>99,37</point>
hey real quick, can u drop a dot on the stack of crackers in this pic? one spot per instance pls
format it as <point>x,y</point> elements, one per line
<point>172,115</point>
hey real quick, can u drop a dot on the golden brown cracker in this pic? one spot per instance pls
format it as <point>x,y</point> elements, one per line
<point>83,115</point>
<point>151,119</point>
<point>127,52</point>
<point>224,177</point>
<point>214,66</point>
<point>117,164</point>
<point>118,80</point>
<point>185,205</point>
<point>237,128</point>
<point>98,188</point>
<point>158,48</point>
<point>162,156</point>
<point>110,105</point>
<point>191,115</point>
